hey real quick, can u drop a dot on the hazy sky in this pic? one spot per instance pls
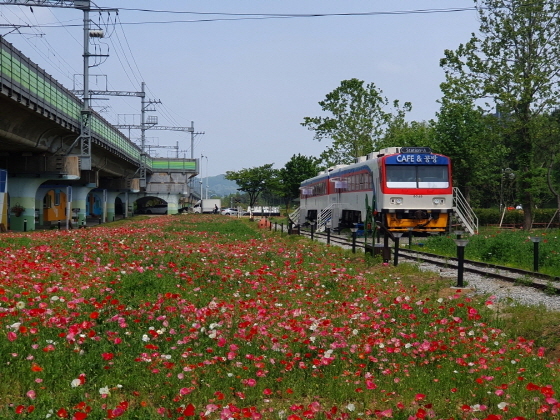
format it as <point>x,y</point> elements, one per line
<point>245,71</point>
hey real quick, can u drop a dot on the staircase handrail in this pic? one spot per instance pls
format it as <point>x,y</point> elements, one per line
<point>464,211</point>
<point>326,214</point>
<point>294,216</point>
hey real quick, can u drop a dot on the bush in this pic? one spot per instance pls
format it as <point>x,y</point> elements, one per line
<point>512,217</point>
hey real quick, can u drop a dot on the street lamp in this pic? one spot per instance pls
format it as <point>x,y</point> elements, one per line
<point>354,230</point>
<point>461,244</point>
<point>535,240</point>
<point>396,238</point>
<point>201,177</point>
<point>207,186</point>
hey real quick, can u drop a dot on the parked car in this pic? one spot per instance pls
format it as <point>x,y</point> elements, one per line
<point>157,209</point>
<point>230,212</point>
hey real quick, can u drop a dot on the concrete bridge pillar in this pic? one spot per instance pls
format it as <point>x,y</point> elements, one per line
<point>125,203</point>
<point>22,192</point>
<point>79,197</point>
<point>172,204</point>
<point>39,206</point>
<point>110,205</point>
<point>132,205</point>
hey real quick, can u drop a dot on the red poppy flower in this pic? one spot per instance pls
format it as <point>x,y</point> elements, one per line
<point>532,387</point>
<point>36,368</point>
<point>421,413</point>
<point>62,413</point>
<point>189,410</point>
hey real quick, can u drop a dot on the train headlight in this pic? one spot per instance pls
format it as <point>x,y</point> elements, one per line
<point>396,200</point>
<point>438,201</point>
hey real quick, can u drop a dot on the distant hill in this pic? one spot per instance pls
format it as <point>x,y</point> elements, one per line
<point>218,185</point>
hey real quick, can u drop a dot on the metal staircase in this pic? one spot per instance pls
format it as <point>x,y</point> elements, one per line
<point>294,217</point>
<point>464,213</point>
<point>324,220</point>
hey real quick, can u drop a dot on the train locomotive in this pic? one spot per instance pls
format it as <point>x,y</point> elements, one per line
<point>402,188</point>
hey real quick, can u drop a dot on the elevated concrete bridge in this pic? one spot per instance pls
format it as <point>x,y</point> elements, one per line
<point>39,156</point>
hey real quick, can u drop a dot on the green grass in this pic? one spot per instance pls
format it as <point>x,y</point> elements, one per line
<point>501,247</point>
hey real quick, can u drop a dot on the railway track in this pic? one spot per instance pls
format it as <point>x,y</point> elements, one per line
<point>538,281</point>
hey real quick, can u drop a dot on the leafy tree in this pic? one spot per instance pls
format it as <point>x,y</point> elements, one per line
<point>235,199</point>
<point>401,133</point>
<point>462,132</point>
<point>272,194</point>
<point>356,123</point>
<point>297,169</point>
<point>333,155</point>
<point>551,143</point>
<point>513,68</point>
<point>254,181</point>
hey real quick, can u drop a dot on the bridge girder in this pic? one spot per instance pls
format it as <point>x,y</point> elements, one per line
<point>26,132</point>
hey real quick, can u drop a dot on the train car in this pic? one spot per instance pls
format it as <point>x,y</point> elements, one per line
<point>403,187</point>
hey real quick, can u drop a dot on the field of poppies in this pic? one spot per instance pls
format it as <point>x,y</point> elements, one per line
<point>207,317</point>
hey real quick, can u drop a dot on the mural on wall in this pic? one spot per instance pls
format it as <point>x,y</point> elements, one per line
<point>94,205</point>
<point>54,205</point>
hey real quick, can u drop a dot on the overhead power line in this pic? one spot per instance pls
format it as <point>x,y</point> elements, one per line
<point>282,15</point>
<point>221,17</point>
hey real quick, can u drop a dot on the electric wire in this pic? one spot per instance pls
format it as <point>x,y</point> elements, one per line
<point>121,55</point>
<point>163,108</point>
<point>73,37</point>
<point>138,80</point>
<point>51,49</point>
<point>305,15</point>
<point>221,16</point>
<point>264,16</point>
<point>40,51</point>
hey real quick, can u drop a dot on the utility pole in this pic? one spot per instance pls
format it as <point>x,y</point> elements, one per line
<point>143,156</point>
<point>192,140</point>
<point>151,124</point>
<point>176,147</point>
<point>85,133</point>
<point>144,125</point>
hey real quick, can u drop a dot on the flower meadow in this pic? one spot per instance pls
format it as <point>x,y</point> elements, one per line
<point>207,317</point>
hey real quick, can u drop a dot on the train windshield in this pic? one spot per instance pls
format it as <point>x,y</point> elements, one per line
<point>421,176</point>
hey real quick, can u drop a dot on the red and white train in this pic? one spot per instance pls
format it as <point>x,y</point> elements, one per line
<point>406,187</point>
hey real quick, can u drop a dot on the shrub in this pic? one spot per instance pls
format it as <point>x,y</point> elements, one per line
<point>512,217</point>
